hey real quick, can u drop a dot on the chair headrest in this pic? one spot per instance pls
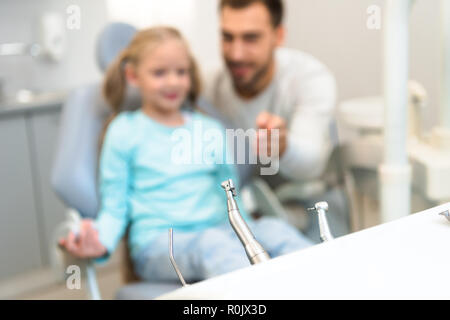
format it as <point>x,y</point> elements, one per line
<point>112,40</point>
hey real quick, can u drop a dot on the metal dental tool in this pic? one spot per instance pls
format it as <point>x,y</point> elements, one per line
<point>446,214</point>
<point>172,259</point>
<point>255,252</point>
<point>321,208</point>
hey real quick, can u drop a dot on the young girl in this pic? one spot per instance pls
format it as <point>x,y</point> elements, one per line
<point>141,185</point>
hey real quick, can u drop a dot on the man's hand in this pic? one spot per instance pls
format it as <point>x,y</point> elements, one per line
<point>86,244</point>
<point>270,122</point>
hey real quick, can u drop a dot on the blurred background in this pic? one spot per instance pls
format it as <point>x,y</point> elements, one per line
<point>52,55</point>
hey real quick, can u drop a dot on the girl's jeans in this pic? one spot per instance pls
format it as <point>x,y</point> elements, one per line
<point>208,253</point>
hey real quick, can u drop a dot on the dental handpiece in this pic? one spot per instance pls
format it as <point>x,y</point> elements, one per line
<point>321,208</point>
<point>255,252</point>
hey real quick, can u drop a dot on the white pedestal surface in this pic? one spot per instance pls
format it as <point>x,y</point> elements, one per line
<point>405,259</point>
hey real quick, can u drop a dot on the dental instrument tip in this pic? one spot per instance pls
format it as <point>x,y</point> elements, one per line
<point>172,259</point>
<point>446,214</point>
<point>319,206</point>
<point>321,209</point>
<point>228,185</point>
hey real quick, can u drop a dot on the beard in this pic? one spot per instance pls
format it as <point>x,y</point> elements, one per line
<point>249,85</point>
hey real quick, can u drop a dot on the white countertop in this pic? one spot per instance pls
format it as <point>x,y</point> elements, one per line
<point>405,259</point>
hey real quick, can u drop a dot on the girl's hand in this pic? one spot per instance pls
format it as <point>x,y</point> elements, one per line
<point>86,244</point>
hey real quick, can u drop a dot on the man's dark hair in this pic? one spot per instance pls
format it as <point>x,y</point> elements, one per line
<point>275,8</point>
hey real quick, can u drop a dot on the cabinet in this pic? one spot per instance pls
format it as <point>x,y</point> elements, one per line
<point>44,128</point>
<point>29,209</point>
<point>20,248</point>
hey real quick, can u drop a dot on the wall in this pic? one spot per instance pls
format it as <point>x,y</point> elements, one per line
<point>333,31</point>
<point>197,19</point>
<point>19,21</point>
<point>336,33</point>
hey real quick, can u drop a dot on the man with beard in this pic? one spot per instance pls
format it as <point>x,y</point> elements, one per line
<point>266,86</point>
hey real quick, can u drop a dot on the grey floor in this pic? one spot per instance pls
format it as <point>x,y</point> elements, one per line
<point>43,284</point>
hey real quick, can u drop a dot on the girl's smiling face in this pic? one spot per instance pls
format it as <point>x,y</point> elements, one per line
<point>163,76</point>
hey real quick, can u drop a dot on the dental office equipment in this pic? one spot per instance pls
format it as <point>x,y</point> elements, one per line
<point>255,252</point>
<point>396,260</point>
<point>321,208</point>
<point>395,172</point>
<point>172,259</point>
<point>446,214</point>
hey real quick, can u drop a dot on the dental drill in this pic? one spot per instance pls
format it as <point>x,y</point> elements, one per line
<point>321,208</point>
<point>255,252</point>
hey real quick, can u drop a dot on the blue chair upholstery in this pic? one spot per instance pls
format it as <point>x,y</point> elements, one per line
<point>75,167</point>
<point>111,41</point>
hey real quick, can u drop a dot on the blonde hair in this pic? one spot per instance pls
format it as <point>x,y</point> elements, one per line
<point>115,84</point>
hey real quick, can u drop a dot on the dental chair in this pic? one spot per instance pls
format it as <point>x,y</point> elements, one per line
<point>74,176</point>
